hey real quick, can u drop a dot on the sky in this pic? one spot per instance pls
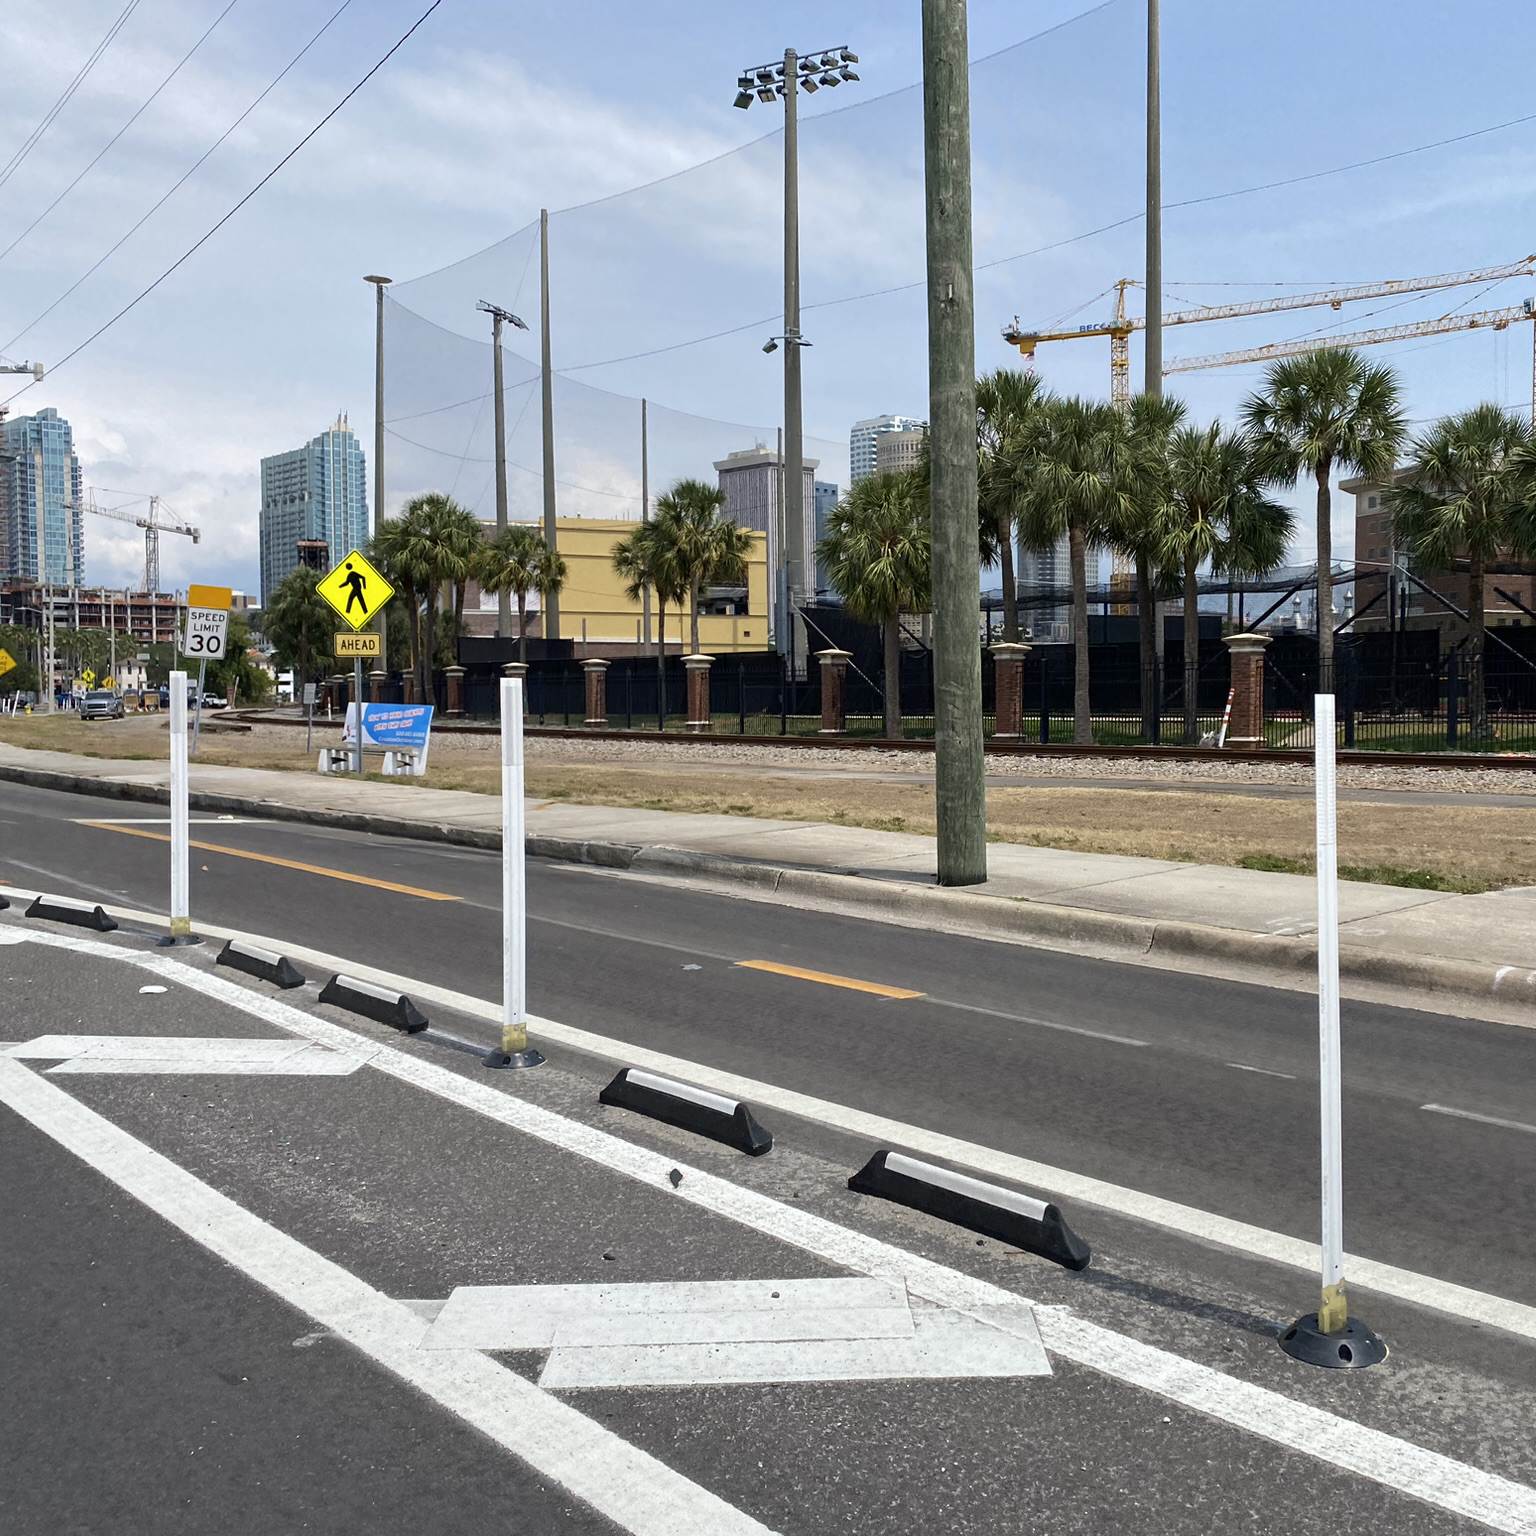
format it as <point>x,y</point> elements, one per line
<point>434,172</point>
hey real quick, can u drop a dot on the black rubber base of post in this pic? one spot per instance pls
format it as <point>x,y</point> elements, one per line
<point>3,903</point>
<point>500,1061</point>
<point>181,943</point>
<point>1351,1349</point>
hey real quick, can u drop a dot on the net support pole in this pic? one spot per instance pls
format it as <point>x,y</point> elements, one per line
<point>514,1050</point>
<point>550,600</point>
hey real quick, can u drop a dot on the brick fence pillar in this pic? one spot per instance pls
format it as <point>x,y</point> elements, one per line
<point>1008,689</point>
<point>697,668</point>
<point>834,691</point>
<point>597,691</point>
<point>455,693</point>
<point>376,682</point>
<point>1246,727</point>
<point>341,687</point>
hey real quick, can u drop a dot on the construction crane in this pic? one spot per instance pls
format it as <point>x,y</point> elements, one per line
<point>1486,319</point>
<point>1122,326</point>
<point>154,523</point>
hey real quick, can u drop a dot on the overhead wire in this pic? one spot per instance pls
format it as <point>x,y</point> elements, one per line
<point>186,177</point>
<point>139,112</point>
<point>33,138</point>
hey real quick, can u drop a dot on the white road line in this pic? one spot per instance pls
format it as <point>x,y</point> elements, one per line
<point>1458,1301</point>
<point>160,821</point>
<point>637,1492</point>
<point>686,1312</point>
<point>1263,1071</point>
<point>1466,1114</point>
<point>943,1345</point>
<point>1427,1475</point>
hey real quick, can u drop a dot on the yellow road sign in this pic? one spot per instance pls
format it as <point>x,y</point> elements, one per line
<point>210,597</point>
<point>7,661</point>
<point>355,590</point>
<point>368,645</point>
<point>88,677</point>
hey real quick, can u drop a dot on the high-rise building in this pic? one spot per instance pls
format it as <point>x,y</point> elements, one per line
<point>318,491</point>
<point>1042,572</point>
<point>41,534</point>
<point>896,451</point>
<point>749,479</point>
<point>865,435</point>
<point>826,499</point>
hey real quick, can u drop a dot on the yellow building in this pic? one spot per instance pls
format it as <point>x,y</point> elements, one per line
<point>601,620</point>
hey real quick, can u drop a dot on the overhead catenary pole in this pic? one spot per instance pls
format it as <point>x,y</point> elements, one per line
<point>958,764</point>
<point>550,601</point>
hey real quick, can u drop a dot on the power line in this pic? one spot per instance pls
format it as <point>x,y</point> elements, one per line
<point>74,85</point>
<point>191,171</point>
<point>121,131</point>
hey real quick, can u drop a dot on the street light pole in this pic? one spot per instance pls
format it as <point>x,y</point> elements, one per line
<point>549,601</point>
<point>808,72</point>
<point>503,598</point>
<point>1149,610</point>
<point>380,622</point>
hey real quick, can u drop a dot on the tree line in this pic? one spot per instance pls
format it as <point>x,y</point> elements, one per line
<point>1172,496</point>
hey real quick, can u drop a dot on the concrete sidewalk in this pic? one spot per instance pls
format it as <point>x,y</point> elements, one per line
<point>1474,947</point>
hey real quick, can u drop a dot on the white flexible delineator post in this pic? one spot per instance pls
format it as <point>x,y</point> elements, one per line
<point>181,902</point>
<point>1332,1313</point>
<point>514,897</point>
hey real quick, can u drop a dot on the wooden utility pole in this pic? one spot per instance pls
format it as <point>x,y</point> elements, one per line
<point>959,781</point>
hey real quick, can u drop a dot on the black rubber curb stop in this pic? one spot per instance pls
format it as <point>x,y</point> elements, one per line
<point>377,1003</point>
<point>265,964</point>
<point>1006,1214</point>
<point>692,1109</point>
<point>62,909</point>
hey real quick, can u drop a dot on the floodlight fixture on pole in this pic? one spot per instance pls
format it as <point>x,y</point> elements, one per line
<point>498,317</point>
<point>779,80</point>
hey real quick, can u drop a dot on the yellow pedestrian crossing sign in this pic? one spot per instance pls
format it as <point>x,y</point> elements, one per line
<point>7,661</point>
<point>355,590</point>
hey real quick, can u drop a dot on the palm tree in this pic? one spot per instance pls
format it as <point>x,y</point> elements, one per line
<point>397,549</point>
<point>1324,410</point>
<point>1010,408</point>
<point>1080,488</point>
<point>296,615</point>
<point>518,560</point>
<point>878,552</point>
<point>702,546</point>
<point>644,563</point>
<point>1218,512</point>
<point>1139,530</point>
<point>1470,493</point>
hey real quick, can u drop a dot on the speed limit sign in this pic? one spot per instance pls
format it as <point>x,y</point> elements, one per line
<point>207,631</point>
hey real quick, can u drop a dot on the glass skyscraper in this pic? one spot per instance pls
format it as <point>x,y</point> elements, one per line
<point>865,434</point>
<point>317,492</point>
<point>41,539</point>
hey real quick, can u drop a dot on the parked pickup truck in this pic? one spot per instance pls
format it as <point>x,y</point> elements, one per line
<point>101,704</point>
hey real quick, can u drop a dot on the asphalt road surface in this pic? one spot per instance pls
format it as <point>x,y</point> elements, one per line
<point>150,1353</point>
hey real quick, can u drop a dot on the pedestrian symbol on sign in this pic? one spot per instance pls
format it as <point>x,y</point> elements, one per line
<point>354,582</point>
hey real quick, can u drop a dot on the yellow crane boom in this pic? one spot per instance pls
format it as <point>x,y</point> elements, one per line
<point>1486,319</point>
<point>1121,327</point>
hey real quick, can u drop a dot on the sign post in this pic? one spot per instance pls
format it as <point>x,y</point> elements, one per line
<point>1329,1336</point>
<point>515,1050</point>
<point>310,692</point>
<point>207,638</point>
<point>357,591</point>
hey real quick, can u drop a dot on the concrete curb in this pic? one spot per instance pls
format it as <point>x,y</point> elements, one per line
<point>919,905</point>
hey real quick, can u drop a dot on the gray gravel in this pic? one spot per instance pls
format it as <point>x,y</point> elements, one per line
<point>874,760</point>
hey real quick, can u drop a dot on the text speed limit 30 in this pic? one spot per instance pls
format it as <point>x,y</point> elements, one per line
<point>207,633</point>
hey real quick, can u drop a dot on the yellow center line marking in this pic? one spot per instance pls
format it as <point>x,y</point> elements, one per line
<point>827,979</point>
<point>268,858</point>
